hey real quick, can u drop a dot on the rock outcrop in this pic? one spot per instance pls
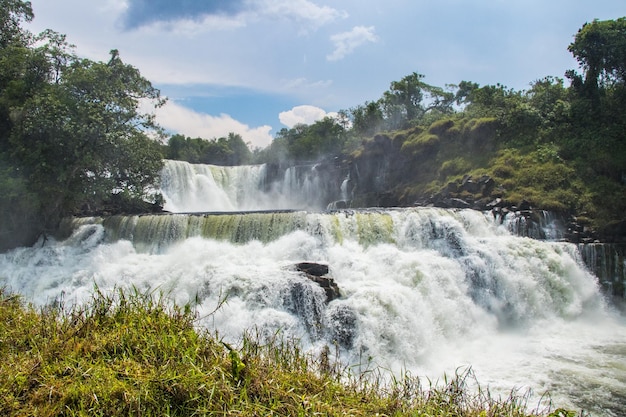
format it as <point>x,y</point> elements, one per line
<point>316,272</point>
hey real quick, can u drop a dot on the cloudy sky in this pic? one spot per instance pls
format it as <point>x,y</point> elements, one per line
<point>256,66</point>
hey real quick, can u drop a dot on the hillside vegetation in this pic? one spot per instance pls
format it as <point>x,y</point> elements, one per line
<point>553,146</point>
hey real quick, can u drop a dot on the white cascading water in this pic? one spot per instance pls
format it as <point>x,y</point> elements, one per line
<point>424,290</point>
<point>210,188</point>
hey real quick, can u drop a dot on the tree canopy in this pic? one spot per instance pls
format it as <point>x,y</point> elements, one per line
<point>600,48</point>
<point>230,150</point>
<point>71,133</point>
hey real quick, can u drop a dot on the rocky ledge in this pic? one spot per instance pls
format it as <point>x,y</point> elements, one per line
<point>483,194</point>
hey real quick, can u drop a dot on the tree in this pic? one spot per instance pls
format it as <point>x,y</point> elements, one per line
<point>403,101</point>
<point>240,153</point>
<point>600,48</point>
<point>598,97</point>
<point>407,101</point>
<point>82,138</point>
<point>12,14</point>
<point>464,92</point>
<point>230,150</point>
<point>307,143</point>
<point>367,119</point>
<point>551,101</point>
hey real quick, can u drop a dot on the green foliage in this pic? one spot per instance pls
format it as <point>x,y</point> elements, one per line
<point>454,167</point>
<point>230,150</point>
<point>546,183</point>
<point>441,127</point>
<point>12,14</point>
<point>130,354</point>
<point>71,133</point>
<point>367,119</point>
<point>409,100</point>
<point>307,143</point>
<point>600,48</point>
<point>452,136</point>
<point>423,144</point>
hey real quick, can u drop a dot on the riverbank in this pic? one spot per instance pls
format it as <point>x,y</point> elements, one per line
<point>132,354</point>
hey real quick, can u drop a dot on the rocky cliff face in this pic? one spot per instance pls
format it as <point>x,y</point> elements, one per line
<point>386,172</point>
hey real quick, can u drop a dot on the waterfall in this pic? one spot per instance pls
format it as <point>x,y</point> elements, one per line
<point>608,263</point>
<point>536,224</point>
<point>189,188</point>
<point>423,290</point>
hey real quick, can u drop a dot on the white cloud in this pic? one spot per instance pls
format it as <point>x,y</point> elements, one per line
<point>303,115</point>
<point>309,15</point>
<point>302,84</point>
<point>346,42</point>
<point>179,119</point>
<point>300,11</point>
<point>194,28</point>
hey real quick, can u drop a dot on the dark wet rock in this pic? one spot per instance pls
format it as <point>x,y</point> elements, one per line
<point>494,203</point>
<point>329,286</point>
<point>315,272</point>
<point>524,206</point>
<point>312,268</point>
<point>342,325</point>
<point>300,300</point>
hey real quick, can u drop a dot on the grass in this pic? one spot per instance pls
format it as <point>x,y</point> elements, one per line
<point>428,158</point>
<point>136,355</point>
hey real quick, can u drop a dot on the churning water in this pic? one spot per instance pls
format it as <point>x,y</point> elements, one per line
<point>425,290</point>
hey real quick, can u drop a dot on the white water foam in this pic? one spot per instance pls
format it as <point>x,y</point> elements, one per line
<point>424,290</point>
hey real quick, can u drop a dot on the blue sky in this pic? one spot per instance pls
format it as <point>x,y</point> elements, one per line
<point>256,66</point>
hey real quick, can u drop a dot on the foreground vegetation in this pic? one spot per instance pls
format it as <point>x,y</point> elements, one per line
<point>133,355</point>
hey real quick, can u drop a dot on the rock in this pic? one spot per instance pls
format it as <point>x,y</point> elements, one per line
<point>315,272</point>
<point>487,186</point>
<point>495,203</point>
<point>458,203</point>
<point>524,206</point>
<point>342,325</point>
<point>312,268</point>
<point>329,286</point>
<point>338,205</point>
<point>452,187</point>
<point>471,186</point>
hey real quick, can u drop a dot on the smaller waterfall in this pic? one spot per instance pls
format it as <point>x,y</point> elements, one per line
<point>346,194</point>
<point>608,262</point>
<point>303,186</point>
<point>536,224</point>
<point>192,188</point>
<point>605,260</point>
<point>196,187</point>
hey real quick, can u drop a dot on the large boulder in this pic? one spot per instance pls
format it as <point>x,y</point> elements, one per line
<point>315,272</point>
<point>312,268</point>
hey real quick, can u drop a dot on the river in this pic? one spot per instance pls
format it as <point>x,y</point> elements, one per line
<point>424,290</point>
